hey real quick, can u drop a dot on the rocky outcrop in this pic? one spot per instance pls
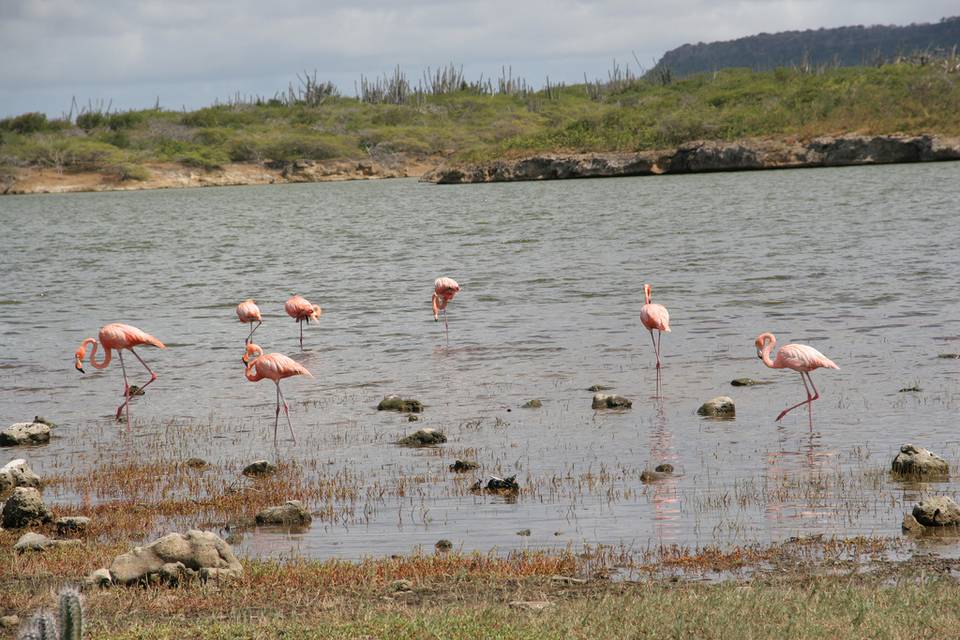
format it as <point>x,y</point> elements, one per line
<point>917,461</point>
<point>937,511</point>
<point>24,507</point>
<point>292,512</point>
<point>707,156</point>
<point>719,407</point>
<point>25,433</point>
<point>604,401</point>
<point>199,552</point>
<point>17,473</point>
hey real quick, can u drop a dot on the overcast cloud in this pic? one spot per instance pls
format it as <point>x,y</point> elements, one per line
<point>189,53</point>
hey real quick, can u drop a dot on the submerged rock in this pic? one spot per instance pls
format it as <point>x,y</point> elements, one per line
<point>603,401</point>
<point>462,466</point>
<point>290,512</point>
<point>937,511</point>
<point>949,356</point>
<point>498,485</point>
<point>917,461</point>
<point>197,463</point>
<point>259,468</point>
<point>913,389</point>
<point>719,407</point>
<point>23,433</point>
<point>660,472</point>
<point>17,473</point>
<point>531,404</point>
<point>423,438</point>
<point>24,507</point>
<point>201,552</point>
<point>748,382</point>
<point>598,387</point>
<point>396,403</point>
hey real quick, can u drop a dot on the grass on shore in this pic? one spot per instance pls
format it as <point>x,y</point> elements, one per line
<point>726,105</point>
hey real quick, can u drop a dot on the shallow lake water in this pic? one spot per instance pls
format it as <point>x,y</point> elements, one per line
<point>862,263</point>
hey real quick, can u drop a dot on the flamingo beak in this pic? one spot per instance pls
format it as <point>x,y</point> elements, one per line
<point>79,367</point>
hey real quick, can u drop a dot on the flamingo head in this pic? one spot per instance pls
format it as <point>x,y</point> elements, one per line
<point>251,350</point>
<point>78,358</point>
<point>646,292</point>
<point>761,343</point>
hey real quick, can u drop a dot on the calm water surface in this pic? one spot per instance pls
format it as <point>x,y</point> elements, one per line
<point>861,263</point>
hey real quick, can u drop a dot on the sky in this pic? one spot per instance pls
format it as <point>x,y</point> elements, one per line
<point>188,53</point>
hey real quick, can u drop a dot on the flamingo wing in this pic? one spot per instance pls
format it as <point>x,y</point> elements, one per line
<point>248,311</point>
<point>801,357</point>
<point>277,366</point>
<point>125,336</point>
<point>655,316</point>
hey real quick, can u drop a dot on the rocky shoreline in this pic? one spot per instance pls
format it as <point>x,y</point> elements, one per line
<point>708,156</point>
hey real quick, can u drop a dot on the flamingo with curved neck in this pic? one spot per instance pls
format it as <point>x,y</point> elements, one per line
<point>800,357</point>
<point>444,289</point>
<point>116,337</point>
<point>300,309</point>
<point>274,366</point>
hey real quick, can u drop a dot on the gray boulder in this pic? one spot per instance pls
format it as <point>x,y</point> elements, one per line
<point>71,524</point>
<point>25,433</point>
<point>15,474</point>
<point>917,461</point>
<point>200,551</point>
<point>719,407</point>
<point>396,403</point>
<point>36,542</point>
<point>25,506</point>
<point>290,512</point>
<point>910,524</point>
<point>259,468</point>
<point>937,511</point>
<point>603,401</point>
<point>423,438</point>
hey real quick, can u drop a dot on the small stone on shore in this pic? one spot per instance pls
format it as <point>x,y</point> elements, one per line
<point>31,541</point>
<point>24,507</point>
<point>71,524</point>
<point>17,473</point>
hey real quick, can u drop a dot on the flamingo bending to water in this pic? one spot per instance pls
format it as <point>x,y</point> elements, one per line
<point>654,316</point>
<point>444,289</point>
<point>274,366</point>
<point>801,358</point>
<point>300,309</point>
<point>248,311</point>
<point>117,337</point>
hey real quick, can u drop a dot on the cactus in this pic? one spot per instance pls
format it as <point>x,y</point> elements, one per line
<point>42,625</point>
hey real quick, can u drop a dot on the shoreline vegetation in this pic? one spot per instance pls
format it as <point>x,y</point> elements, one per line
<point>448,129</point>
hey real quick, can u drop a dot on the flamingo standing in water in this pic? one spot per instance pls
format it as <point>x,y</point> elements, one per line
<point>117,337</point>
<point>300,309</point>
<point>654,316</point>
<point>248,311</point>
<point>443,291</point>
<point>801,358</point>
<point>274,366</point>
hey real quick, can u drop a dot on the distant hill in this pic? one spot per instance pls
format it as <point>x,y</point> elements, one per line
<point>843,46</point>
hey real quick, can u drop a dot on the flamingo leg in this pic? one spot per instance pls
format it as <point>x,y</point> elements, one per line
<point>446,325</point>
<point>659,335</point>
<point>300,322</point>
<point>126,390</point>
<point>800,404</point>
<point>286,412</point>
<point>276,416</point>
<point>252,329</point>
<point>655,350</point>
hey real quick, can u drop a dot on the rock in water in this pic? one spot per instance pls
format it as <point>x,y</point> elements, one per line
<point>396,403</point>
<point>747,382</point>
<point>15,474</point>
<point>937,511</point>
<point>423,438</point>
<point>462,466</point>
<point>25,506</point>
<point>603,401</point>
<point>911,525</point>
<point>719,407</point>
<point>202,552</point>
<point>917,461</point>
<point>599,387</point>
<point>259,468</point>
<point>531,404</point>
<point>291,512</point>
<point>25,433</point>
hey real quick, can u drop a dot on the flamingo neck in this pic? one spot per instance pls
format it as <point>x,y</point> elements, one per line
<point>646,293</point>
<point>250,374</point>
<point>107,356</point>
<point>768,345</point>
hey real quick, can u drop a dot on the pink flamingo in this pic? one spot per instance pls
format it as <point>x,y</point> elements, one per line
<point>300,309</point>
<point>117,337</point>
<point>799,357</point>
<point>443,291</point>
<point>274,366</point>
<point>654,316</point>
<point>248,311</point>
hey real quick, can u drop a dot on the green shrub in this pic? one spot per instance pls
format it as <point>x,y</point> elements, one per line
<point>125,120</point>
<point>90,120</point>
<point>207,159</point>
<point>25,123</point>
<point>130,171</point>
